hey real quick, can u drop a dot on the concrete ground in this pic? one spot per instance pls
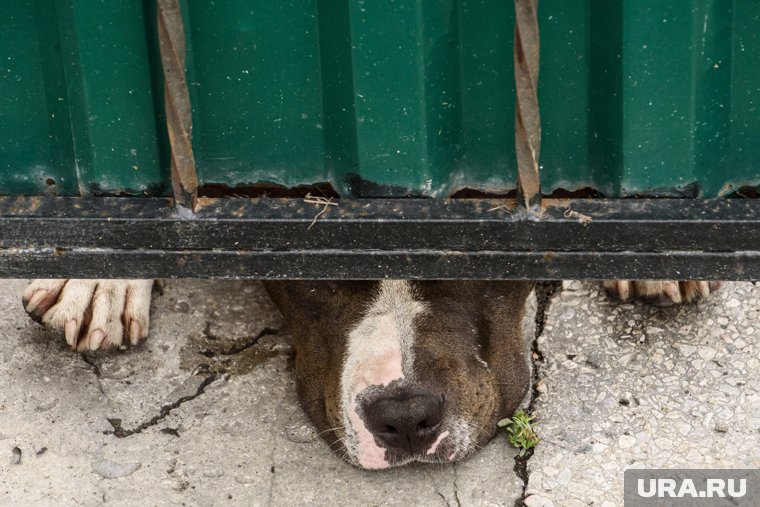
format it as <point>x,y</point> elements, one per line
<point>204,413</point>
<point>641,386</point>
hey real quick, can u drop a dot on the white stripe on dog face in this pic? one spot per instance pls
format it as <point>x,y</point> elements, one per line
<point>379,351</point>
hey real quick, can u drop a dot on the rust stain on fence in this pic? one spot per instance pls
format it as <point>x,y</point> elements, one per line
<point>527,117</point>
<point>179,121</point>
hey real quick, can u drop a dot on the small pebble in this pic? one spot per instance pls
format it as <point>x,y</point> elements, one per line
<point>300,433</point>
<point>733,303</point>
<point>626,442</point>
<point>46,405</point>
<point>112,470</point>
<point>244,479</point>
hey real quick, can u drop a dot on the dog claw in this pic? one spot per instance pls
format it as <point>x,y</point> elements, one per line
<point>673,291</point>
<point>623,289</point>
<point>71,332</point>
<point>32,303</point>
<point>661,292</point>
<point>96,338</point>
<point>134,332</point>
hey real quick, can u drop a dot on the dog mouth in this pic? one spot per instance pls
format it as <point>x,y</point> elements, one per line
<point>452,443</point>
<point>448,448</point>
<point>393,427</point>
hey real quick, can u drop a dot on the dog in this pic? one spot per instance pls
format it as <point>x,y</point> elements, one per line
<point>390,371</point>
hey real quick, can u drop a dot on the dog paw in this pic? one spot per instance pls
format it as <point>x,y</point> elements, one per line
<point>660,292</point>
<point>92,314</point>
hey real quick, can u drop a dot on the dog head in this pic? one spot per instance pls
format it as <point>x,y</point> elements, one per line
<point>392,372</point>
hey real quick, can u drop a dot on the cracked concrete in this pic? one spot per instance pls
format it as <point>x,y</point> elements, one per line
<point>640,386</point>
<point>538,308</point>
<point>205,412</point>
<point>120,432</point>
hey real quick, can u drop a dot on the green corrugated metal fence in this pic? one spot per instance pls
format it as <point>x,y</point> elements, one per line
<point>383,98</point>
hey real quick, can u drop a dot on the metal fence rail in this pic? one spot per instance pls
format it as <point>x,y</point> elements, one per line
<point>370,239</point>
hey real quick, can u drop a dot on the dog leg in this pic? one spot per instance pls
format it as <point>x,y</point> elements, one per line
<point>660,292</point>
<point>92,314</point>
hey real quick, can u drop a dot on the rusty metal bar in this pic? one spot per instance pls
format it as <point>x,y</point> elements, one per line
<point>179,120</point>
<point>527,116</point>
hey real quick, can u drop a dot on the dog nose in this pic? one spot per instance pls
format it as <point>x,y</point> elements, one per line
<point>408,420</point>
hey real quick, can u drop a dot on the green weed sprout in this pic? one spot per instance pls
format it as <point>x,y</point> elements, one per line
<point>520,432</point>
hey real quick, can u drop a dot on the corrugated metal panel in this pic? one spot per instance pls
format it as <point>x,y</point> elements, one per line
<point>77,111</point>
<point>383,98</point>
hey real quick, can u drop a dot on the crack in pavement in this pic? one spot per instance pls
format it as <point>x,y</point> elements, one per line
<point>119,431</point>
<point>545,292</point>
<point>456,487</point>
<point>209,372</point>
<point>446,502</point>
<point>235,349</point>
<point>96,370</point>
<point>91,362</point>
